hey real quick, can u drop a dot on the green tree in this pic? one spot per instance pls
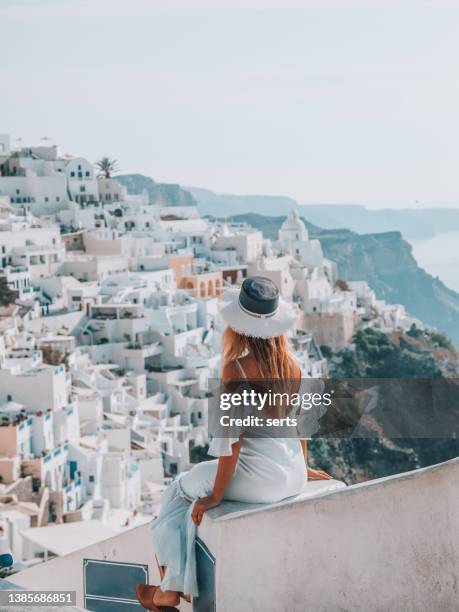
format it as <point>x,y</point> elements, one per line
<point>7,295</point>
<point>342,285</point>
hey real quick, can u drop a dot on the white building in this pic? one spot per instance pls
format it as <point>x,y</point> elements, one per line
<point>294,240</point>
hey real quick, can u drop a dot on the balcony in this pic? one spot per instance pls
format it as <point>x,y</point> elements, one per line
<point>146,350</point>
<point>366,548</point>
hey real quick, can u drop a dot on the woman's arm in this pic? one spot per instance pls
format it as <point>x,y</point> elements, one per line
<point>225,471</point>
<point>312,474</point>
<point>226,465</point>
<point>304,448</point>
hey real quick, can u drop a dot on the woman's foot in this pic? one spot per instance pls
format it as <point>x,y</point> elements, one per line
<point>145,594</point>
<point>166,598</point>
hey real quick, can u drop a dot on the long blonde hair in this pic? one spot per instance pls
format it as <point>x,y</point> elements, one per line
<point>272,355</point>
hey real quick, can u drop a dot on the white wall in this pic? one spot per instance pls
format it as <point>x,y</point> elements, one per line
<point>38,389</point>
<point>47,193</point>
<point>390,544</point>
<point>66,573</point>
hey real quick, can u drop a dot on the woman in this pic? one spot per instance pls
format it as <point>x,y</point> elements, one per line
<point>248,469</point>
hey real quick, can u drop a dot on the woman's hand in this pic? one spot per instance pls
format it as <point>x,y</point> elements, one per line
<point>318,474</point>
<point>201,505</point>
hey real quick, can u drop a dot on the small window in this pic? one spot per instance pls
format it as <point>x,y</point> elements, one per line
<point>58,199</point>
<point>72,174</point>
<point>18,191</point>
<point>87,173</point>
<point>46,199</point>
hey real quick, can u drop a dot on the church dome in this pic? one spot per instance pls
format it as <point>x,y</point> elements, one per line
<point>293,224</point>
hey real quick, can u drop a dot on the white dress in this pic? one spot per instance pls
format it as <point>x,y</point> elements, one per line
<point>268,470</point>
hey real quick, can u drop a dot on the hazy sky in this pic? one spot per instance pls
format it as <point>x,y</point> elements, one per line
<point>322,100</point>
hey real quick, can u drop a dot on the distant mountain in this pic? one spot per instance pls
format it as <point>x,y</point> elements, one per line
<point>386,262</point>
<point>163,194</point>
<point>222,205</point>
<point>412,223</point>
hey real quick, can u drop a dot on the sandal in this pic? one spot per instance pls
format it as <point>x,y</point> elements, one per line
<point>185,597</point>
<point>145,594</point>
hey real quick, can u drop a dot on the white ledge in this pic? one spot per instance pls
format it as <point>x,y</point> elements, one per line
<point>232,510</point>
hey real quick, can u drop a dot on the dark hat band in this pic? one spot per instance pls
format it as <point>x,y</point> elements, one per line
<point>256,314</point>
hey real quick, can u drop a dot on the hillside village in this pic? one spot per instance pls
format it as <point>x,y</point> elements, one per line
<point>110,332</point>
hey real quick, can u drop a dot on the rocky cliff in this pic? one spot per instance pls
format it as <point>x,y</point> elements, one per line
<point>416,354</point>
<point>163,194</point>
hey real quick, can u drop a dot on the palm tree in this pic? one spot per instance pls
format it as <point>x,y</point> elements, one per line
<point>107,167</point>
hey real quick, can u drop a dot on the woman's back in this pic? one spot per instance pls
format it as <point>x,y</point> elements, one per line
<point>248,367</point>
<point>270,466</point>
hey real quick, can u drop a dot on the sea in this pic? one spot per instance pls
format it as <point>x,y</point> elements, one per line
<point>439,256</point>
